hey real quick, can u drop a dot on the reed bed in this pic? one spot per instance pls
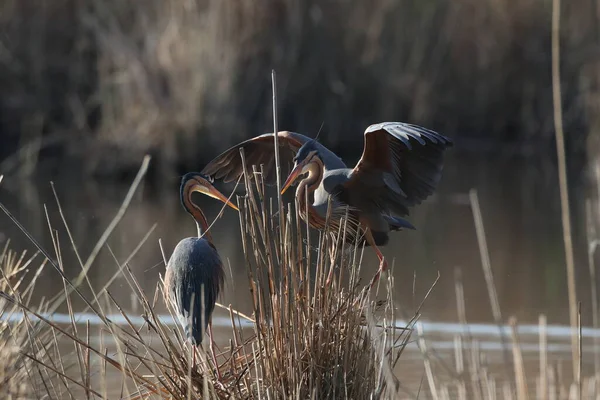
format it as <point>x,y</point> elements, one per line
<point>468,371</point>
<point>306,337</point>
<point>16,368</point>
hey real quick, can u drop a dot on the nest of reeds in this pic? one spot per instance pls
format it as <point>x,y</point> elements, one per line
<point>316,332</point>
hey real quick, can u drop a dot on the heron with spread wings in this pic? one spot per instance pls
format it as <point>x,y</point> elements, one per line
<point>401,165</point>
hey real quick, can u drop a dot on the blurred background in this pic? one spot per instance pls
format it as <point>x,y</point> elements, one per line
<point>89,86</point>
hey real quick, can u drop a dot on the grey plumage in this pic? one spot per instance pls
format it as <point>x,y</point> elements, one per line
<point>400,166</point>
<point>194,268</point>
<point>194,276</point>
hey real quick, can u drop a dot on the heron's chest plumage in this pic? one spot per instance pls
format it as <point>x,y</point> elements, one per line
<point>313,208</point>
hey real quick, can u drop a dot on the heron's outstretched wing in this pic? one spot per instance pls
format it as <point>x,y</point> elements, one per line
<point>259,150</point>
<point>401,166</point>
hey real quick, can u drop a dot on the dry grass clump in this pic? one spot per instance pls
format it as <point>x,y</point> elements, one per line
<point>13,377</point>
<point>15,367</point>
<point>304,338</point>
<point>314,339</point>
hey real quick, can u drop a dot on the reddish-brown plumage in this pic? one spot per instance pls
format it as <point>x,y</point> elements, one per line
<point>376,152</point>
<point>195,210</point>
<point>400,166</point>
<point>290,138</point>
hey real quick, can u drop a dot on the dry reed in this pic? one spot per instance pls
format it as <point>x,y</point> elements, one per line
<point>18,277</point>
<point>307,339</point>
<point>302,340</point>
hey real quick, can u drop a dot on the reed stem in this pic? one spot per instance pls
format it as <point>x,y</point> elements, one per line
<point>277,161</point>
<point>562,179</point>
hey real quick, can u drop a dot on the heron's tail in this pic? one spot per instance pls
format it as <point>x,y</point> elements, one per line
<point>398,223</point>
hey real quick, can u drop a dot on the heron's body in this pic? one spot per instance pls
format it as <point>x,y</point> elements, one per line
<point>194,267</point>
<point>400,167</point>
<point>194,276</point>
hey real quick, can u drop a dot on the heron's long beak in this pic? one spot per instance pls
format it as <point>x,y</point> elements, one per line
<point>215,194</point>
<point>296,172</point>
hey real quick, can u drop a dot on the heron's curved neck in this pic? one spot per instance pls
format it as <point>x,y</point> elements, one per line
<point>315,175</point>
<point>308,186</point>
<point>196,212</point>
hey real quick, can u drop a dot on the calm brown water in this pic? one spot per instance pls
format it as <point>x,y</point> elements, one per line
<point>519,201</point>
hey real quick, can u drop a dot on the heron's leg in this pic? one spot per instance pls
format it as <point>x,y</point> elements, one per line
<point>383,265</point>
<point>212,350</point>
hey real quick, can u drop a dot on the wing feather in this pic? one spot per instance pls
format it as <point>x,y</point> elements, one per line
<point>401,166</point>
<point>228,165</point>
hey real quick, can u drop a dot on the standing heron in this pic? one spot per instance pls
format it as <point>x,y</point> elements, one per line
<point>194,275</point>
<point>401,165</point>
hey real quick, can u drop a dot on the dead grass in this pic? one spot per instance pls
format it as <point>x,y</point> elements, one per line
<point>306,339</point>
<point>302,340</point>
<point>18,277</point>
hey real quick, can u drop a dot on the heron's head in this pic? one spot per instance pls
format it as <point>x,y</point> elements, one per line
<point>306,154</point>
<point>197,182</point>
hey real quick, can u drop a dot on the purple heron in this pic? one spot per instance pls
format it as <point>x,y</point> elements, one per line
<point>401,166</point>
<point>194,275</point>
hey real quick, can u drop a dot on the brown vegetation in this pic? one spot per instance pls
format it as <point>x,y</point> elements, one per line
<point>18,277</point>
<point>112,80</point>
<point>306,340</point>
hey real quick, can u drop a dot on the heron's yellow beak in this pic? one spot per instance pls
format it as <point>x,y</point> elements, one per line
<point>215,194</point>
<point>296,172</point>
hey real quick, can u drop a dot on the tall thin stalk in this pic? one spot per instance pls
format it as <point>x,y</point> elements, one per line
<point>591,251</point>
<point>520,377</point>
<point>562,179</point>
<point>543,338</point>
<point>487,271</point>
<point>277,163</point>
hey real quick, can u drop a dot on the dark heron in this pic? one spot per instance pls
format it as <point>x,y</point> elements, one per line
<point>401,166</point>
<point>194,275</point>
